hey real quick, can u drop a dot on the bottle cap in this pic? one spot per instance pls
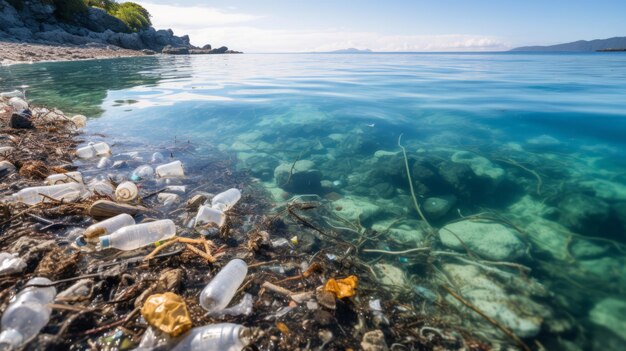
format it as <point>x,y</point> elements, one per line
<point>105,242</point>
<point>80,241</point>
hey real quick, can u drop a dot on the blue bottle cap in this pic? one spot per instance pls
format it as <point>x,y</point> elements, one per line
<point>104,242</point>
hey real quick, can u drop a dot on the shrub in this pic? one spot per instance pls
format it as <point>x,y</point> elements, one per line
<point>67,9</point>
<point>107,5</point>
<point>134,15</point>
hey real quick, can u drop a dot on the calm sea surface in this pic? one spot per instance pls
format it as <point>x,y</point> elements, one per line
<point>532,147</point>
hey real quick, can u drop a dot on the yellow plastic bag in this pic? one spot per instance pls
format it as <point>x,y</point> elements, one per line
<point>345,287</point>
<point>167,312</point>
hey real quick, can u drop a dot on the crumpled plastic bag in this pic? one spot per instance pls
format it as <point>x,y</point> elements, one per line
<point>167,312</point>
<point>345,287</point>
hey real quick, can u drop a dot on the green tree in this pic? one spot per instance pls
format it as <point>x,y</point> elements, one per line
<point>107,5</point>
<point>134,15</point>
<point>67,9</point>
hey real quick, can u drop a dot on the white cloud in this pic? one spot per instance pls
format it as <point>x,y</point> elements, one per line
<point>218,27</point>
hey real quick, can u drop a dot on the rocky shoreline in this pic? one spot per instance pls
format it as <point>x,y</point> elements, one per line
<point>12,53</point>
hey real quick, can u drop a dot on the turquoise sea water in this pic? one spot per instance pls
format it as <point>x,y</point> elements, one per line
<point>520,156</point>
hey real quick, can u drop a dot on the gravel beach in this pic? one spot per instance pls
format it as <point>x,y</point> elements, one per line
<point>11,53</point>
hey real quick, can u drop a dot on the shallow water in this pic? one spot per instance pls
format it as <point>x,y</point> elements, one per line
<point>537,140</point>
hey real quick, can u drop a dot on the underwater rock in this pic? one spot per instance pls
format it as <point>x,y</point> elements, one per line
<point>610,313</point>
<point>606,268</point>
<point>549,237</point>
<point>511,307</point>
<point>383,153</point>
<point>543,141</point>
<point>481,166</point>
<point>488,239</point>
<point>583,213</point>
<point>357,209</point>
<point>587,249</point>
<point>260,165</point>
<point>408,231</point>
<point>384,190</point>
<point>436,207</point>
<point>606,189</point>
<point>390,275</point>
<point>20,121</point>
<point>300,178</point>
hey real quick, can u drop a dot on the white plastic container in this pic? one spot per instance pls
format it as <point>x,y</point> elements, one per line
<point>26,315</point>
<point>220,291</point>
<point>215,337</point>
<point>80,121</point>
<point>102,187</point>
<point>105,162</point>
<point>142,172</point>
<point>68,192</point>
<point>226,200</point>
<point>18,103</point>
<point>207,215</point>
<point>6,167</point>
<point>11,263</point>
<point>6,150</point>
<point>108,226</point>
<point>176,188</point>
<point>139,235</point>
<point>62,178</point>
<point>170,170</point>
<point>126,191</point>
<point>93,150</point>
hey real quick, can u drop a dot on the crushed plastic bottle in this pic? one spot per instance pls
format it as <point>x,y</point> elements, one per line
<point>104,162</point>
<point>222,288</point>
<point>63,178</point>
<point>215,337</point>
<point>67,192</point>
<point>18,103</point>
<point>176,188</point>
<point>26,315</point>
<point>6,150</point>
<point>138,235</point>
<point>11,263</point>
<point>170,170</point>
<point>224,201</point>
<point>79,121</point>
<point>102,187</point>
<point>142,172</point>
<point>126,191</point>
<point>93,150</point>
<point>108,226</point>
<point>157,157</point>
<point>80,289</point>
<point>6,167</point>
<point>168,199</point>
<point>208,215</point>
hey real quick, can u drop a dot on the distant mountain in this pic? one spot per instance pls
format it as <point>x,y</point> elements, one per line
<point>350,51</point>
<point>581,46</point>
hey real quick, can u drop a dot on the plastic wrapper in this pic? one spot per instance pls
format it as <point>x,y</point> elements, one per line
<point>167,312</point>
<point>345,287</point>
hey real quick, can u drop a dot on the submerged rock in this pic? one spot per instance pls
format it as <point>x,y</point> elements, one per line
<point>481,166</point>
<point>511,307</point>
<point>610,313</point>
<point>300,178</point>
<point>490,240</point>
<point>390,275</point>
<point>409,231</point>
<point>374,341</point>
<point>20,121</point>
<point>356,209</point>
<point>583,213</point>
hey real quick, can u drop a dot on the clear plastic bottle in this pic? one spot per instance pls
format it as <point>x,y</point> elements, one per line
<point>215,337</point>
<point>26,315</point>
<point>142,172</point>
<point>208,215</point>
<point>18,103</point>
<point>62,178</point>
<point>6,167</point>
<point>104,162</point>
<point>93,150</point>
<point>68,192</point>
<point>126,191</point>
<point>108,226</point>
<point>101,186</point>
<point>168,199</point>
<point>226,200</point>
<point>79,121</point>
<point>139,235</point>
<point>170,170</point>
<point>157,157</point>
<point>11,263</point>
<point>6,150</point>
<point>222,288</point>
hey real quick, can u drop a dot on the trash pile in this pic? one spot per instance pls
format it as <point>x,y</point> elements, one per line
<point>113,249</point>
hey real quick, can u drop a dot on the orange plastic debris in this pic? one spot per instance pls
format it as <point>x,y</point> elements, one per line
<point>283,328</point>
<point>167,312</point>
<point>345,287</point>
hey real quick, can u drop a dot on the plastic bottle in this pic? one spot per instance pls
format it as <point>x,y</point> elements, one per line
<point>18,103</point>
<point>26,315</point>
<point>101,186</point>
<point>142,172</point>
<point>168,199</point>
<point>126,191</point>
<point>108,226</point>
<point>218,293</point>
<point>93,150</point>
<point>170,170</point>
<point>157,157</point>
<point>68,192</point>
<point>104,162</point>
<point>215,337</point>
<point>208,215</point>
<point>6,167</point>
<point>80,121</point>
<point>139,235</point>
<point>11,263</point>
<point>62,178</point>
<point>226,200</point>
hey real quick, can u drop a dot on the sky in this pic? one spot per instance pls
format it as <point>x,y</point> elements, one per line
<point>390,25</point>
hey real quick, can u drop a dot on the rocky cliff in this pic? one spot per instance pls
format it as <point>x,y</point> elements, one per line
<point>35,22</point>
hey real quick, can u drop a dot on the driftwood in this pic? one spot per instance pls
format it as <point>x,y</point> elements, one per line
<point>103,209</point>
